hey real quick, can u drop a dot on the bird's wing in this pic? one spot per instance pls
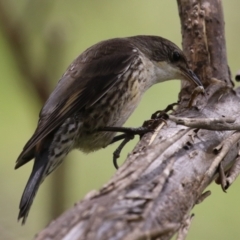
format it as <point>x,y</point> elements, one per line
<point>85,82</point>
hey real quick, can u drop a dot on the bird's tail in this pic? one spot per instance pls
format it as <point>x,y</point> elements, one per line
<point>36,178</point>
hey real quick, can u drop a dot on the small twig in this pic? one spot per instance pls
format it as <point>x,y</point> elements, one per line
<point>233,173</point>
<point>223,150</point>
<point>222,177</point>
<point>156,132</point>
<point>203,197</point>
<point>183,231</point>
<point>216,124</point>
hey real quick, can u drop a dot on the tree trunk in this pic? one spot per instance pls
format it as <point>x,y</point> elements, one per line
<point>152,194</point>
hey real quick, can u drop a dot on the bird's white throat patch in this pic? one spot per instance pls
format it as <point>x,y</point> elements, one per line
<point>159,72</point>
<point>165,71</point>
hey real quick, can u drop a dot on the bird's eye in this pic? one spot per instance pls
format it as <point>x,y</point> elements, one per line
<point>175,56</point>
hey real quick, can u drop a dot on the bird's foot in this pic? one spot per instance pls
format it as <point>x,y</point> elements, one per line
<point>116,153</point>
<point>128,134</point>
<point>162,114</point>
<point>126,130</point>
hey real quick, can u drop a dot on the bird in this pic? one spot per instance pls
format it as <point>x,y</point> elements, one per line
<point>94,98</point>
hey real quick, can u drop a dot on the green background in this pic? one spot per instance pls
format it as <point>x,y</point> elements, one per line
<point>81,24</point>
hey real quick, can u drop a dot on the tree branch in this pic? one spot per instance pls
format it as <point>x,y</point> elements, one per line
<point>17,37</point>
<point>35,79</point>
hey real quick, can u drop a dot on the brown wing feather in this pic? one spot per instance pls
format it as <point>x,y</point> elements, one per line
<point>85,82</point>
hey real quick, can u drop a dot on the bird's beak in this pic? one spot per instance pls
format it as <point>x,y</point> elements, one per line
<point>191,76</point>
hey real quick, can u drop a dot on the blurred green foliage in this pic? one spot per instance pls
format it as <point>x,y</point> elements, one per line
<point>77,25</point>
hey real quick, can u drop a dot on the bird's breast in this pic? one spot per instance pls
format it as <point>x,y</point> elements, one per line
<point>113,109</point>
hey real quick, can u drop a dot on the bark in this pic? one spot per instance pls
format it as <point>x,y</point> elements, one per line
<point>152,194</point>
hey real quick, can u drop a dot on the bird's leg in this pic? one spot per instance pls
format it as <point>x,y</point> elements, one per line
<point>127,130</point>
<point>128,134</point>
<point>127,137</point>
<point>116,153</point>
<point>118,138</point>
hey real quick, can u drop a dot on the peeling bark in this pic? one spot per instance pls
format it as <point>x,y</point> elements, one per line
<point>152,194</point>
<point>203,37</point>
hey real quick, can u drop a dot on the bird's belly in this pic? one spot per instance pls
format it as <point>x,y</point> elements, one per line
<point>110,114</point>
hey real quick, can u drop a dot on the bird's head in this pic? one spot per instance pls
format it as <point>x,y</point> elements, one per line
<point>168,59</point>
